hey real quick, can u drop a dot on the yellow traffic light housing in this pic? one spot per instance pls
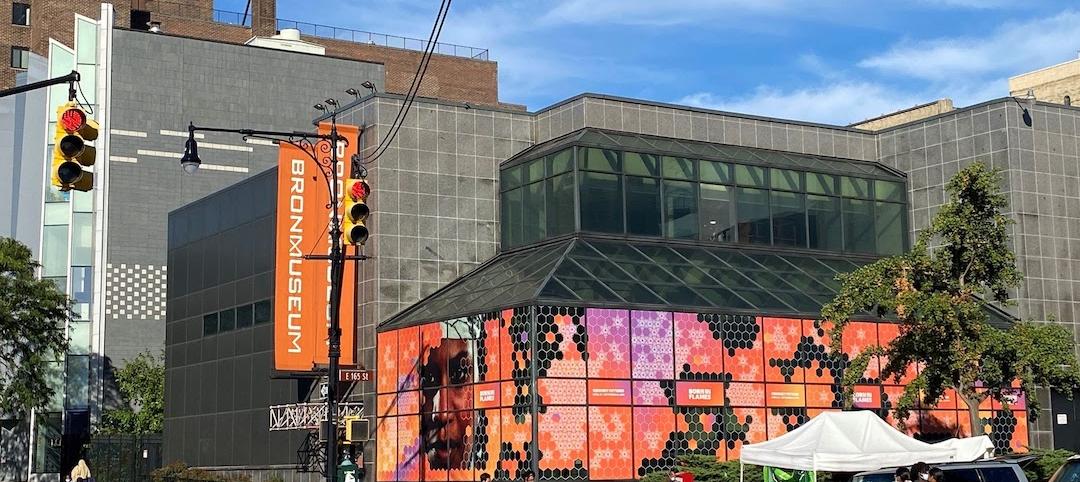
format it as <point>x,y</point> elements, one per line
<point>70,151</point>
<point>356,430</point>
<point>357,211</point>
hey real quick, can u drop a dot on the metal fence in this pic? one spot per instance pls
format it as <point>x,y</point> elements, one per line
<point>124,458</point>
<point>384,40</point>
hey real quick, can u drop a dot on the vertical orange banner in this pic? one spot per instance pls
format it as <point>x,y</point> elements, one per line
<point>302,287</point>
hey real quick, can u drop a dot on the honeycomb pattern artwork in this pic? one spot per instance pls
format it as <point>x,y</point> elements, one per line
<point>610,443</point>
<point>409,452</point>
<point>386,460</point>
<point>517,332</point>
<point>651,345</point>
<point>654,428</point>
<point>487,345</point>
<point>743,350</point>
<point>560,342</point>
<point>515,455</point>
<point>698,349</point>
<point>564,445</point>
<point>608,335</point>
<point>701,431</point>
<point>408,375</point>
<point>1002,425</point>
<point>782,420</point>
<point>746,426</point>
<point>786,350</point>
<point>386,376</point>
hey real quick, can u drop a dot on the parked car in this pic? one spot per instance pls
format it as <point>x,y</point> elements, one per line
<point>1070,472</point>
<point>982,471</point>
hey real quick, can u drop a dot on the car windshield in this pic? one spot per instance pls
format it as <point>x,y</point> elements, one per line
<point>1070,472</point>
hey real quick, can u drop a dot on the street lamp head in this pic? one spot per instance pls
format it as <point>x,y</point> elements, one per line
<point>331,102</point>
<point>369,85</point>
<point>353,92</point>
<point>319,107</point>
<point>190,160</point>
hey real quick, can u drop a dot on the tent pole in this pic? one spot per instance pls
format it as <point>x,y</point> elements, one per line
<point>740,470</point>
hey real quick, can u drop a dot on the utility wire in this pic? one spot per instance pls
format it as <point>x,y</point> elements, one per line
<point>414,89</point>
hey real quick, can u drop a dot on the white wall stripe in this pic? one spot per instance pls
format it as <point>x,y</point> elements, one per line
<point>120,132</point>
<point>216,167</point>
<point>123,159</point>
<point>225,147</point>
<point>172,155</point>
<point>260,142</point>
<point>166,132</point>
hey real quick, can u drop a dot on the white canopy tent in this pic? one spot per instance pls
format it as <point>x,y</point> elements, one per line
<point>970,449</point>
<point>845,442</point>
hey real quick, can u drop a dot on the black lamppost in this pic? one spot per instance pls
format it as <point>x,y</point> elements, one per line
<point>324,154</point>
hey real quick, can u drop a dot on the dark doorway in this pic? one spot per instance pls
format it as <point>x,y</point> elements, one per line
<point>1065,422</point>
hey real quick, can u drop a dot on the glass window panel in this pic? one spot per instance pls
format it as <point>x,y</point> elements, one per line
<point>639,164</point>
<point>643,206</point>
<point>60,282</point>
<point>679,295</point>
<point>594,159</point>
<point>890,228</point>
<point>81,283</point>
<point>82,202</point>
<point>82,311</point>
<point>689,274</point>
<point>820,183</point>
<point>57,214</point>
<point>888,191</point>
<point>661,255</point>
<point>786,179</point>
<point>562,161</point>
<point>680,210</point>
<point>534,171</point>
<point>716,213</point>
<point>20,14</point>
<point>678,167</point>
<point>555,290</point>
<point>79,337</point>
<point>750,175</point>
<point>52,193</point>
<point>227,320</point>
<point>718,172</point>
<point>589,290</point>
<point>560,204</point>
<point>602,270</point>
<point>511,177</point>
<point>534,214</point>
<point>752,211</point>
<point>601,202</point>
<point>649,273</point>
<point>788,218</point>
<point>82,243</point>
<point>46,451</point>
<point>88,83</point>
<point>77,381</point>
<point>245,316</point>
<point>54,251</point>
<point>511,217</point>
<point>858,225</point>
<point>723,297</point>
<point>855,187</point>
<point>20,58</point>
<point>86,42</point>
<point>823,220</point>
<point>633,292</point>
<point>619,253</point>
<point>210,324</point>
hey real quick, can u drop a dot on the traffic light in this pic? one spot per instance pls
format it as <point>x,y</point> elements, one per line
<point>356,429</point>
<point>70,151</point>
<point>356,211</point>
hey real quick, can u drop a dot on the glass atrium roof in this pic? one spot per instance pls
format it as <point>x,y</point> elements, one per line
<point>638,275</point>
<point>592,137</point>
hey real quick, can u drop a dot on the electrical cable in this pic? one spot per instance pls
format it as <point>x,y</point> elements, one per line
<point>85,102</point>
<point>414,89</point>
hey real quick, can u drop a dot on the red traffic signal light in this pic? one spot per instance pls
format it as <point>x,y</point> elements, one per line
<point>356,211</point>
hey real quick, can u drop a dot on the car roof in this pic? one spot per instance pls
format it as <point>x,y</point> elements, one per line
<point>953,465</point>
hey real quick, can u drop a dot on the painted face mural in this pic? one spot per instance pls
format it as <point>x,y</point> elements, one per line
<point>446,403</point>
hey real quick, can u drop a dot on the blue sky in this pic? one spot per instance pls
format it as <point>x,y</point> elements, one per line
<point>830,61</point>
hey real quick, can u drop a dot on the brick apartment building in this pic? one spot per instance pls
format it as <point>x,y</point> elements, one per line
<point>456,73</point>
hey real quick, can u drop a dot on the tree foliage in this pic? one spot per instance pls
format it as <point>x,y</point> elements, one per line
<point>937,292</point>
<point>142,384</point>
<point>33,316</point>
<point>1049,461</point>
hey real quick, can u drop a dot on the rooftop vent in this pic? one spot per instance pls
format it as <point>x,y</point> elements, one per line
<point>288,39</point>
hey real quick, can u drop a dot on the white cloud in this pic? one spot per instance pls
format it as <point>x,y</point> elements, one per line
<point>1009,50</point>
<point>840,103</point>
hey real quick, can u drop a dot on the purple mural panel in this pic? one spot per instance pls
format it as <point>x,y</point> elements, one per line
<point>652,345</point>
<point>609,343</point>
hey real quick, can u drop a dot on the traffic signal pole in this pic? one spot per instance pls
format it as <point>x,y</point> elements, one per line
<point>69,79</point>
<point>306,142</point>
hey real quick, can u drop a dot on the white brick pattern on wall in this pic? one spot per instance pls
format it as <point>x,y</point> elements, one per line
<point>135,291</point>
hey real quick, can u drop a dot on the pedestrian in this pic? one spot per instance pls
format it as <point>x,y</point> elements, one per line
<point>528,476</point>
<point>920,472</point>
<point>485,477</point>
<point>81,473</point>
<point>903,474</point>
<point>936,475</point>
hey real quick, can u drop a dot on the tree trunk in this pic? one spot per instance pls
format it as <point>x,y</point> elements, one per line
<point>973,402</point>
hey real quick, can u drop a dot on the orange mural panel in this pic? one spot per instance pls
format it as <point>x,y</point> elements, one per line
<point>745,394</point>
<point>563,433</point>
<point>489,422</point>
<point>752,422</point>
<point>653,427</point>
<point>302,287</point>
<point>938,423</point>
<point>744,352</point>
<point>858,336</point>
<point>408,372</point>
<point>698,346</point>
<point>699,394</point>
<point>782,338</point>
<point>386,369</point>
<point>386,459</point>
<point>409,443</point>
<point>887,332</point>
<point>386,405</point>
<point>506,346</point>
<point>562,391</point>
<point>821,369</point>
<point>822,396</point>
<point>866,396</point>
<point>611,455</point>
<point>487,395</point>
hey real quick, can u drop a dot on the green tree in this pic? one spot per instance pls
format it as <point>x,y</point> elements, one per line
<point>938,296</point>
<point>142,384</point>
<point>33,316</point>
